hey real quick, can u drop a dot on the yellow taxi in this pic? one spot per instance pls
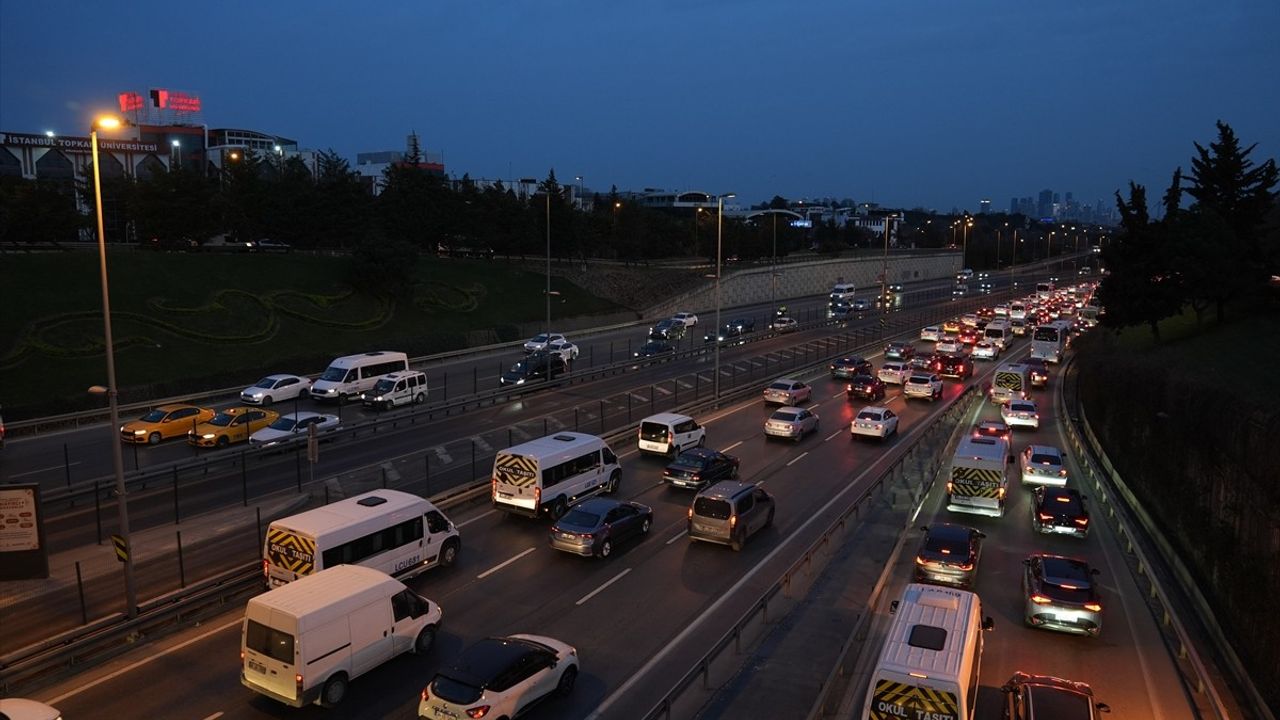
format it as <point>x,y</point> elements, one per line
<point>951,326</point>
<point>232,425</point>
<point>164,422</point>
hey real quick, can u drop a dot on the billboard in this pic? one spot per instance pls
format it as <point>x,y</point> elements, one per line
<point>23,553</point>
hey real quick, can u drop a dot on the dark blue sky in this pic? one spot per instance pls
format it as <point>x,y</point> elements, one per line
<point>932,103</point>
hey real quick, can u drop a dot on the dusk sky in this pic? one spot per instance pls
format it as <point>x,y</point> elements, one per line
<point>931,103</point>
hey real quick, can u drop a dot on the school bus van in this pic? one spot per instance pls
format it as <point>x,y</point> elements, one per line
<point>978,479</point>
<point>928,669</point>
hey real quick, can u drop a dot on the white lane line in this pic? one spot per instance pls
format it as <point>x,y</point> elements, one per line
<point>839,394</point>
<point>501,565</point>
<point>445,458</point>
<point>485,514</point>
<point>838,432</point>
<point>134,666</point>
<point>798,458</point>
<point>662,390</point>
<point>214,716</point>
<point>480,442</point>
<point>756,362</point>
<point>34,472</point>
<point>724,371</point>
<point>556,422</point>
<point>600,589</point>
<point>682,534</point>
<point>732,446</point>
<point>685,385</point>
<point>641,398</point>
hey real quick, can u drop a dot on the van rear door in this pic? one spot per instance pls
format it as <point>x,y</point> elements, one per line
<point>270,653</point>
<point>515,481</point>
<point>894,700</point>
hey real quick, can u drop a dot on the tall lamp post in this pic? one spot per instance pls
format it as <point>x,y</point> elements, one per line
<point>117,459</point>
<point>964,252</point>
<point>548,290</point>
<point>177,149</point>
<point>719,247</point>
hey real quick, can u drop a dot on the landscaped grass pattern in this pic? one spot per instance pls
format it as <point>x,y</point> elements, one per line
<point>184,322</point>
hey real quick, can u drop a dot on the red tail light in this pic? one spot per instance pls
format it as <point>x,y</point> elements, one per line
<point>690,513</point>
<point>733,521</point>
<point>671,437</point>
<point>266,568</point>
<point>478,712</point>
<point>1095,607</point>
<point>1082,521</point>
<point>1044,517</point>
<point>297,683</point>
<point>426,693</point>
<point>1039,599</point>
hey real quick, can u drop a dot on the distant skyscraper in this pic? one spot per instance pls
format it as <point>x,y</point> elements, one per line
<point>1013,206</point>
<point>1045,207</point>
<point>984,206</point>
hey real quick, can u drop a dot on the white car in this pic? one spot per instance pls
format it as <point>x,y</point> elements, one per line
<point>501,677</point>
<point>274,388</point>
<point>922,386</point>
<point>986,350</point>
<point>541,340</point>
<point>1021,413</point>
<point>877,422</point>
<point>790,422</point>
<point>894,372</point>
<point>1043,465</point>
<point>861,304</point>
<point>24,709</point>
<point>933,333</point>
<point>950,344</point>
<point>564,349</point>
<point>784,324</point>
<point>1001,311</point>
<point>294,426</point>
<point>687,319</point>
<point>787,392</point>
<point>970,319</point>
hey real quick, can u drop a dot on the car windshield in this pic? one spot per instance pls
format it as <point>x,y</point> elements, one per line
<point>580,518</point>
<point>868,415</point>
<point>334,374</point>
<point>266,383</point>
<point>384,386</point>
<point>455,691</point>
<point>154,416</point>
<point>284,423</point>
<point>780,386</point>
<point>540,338</point>
<point>222,419</point>
<point>784,416</point>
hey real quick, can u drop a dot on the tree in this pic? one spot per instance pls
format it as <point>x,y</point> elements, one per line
<point>1142,289</point>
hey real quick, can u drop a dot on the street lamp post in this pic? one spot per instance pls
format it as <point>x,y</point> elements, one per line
<point>117,459</point>
<point>964,251</point>
<point>719,246</point>
<point>548,290</point>
<point>177,149</point>
<point>773,265</point>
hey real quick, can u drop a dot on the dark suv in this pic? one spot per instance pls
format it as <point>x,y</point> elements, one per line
<point>847,367</point>
<point>866,387</point>
<point>954,366</point>
<point>1044,697</point>
<point>540,365</point>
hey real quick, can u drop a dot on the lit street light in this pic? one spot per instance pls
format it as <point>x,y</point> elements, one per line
<point>117,459</point>
<point>177,149</point>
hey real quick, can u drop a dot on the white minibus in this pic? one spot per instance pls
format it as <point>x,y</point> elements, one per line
<point>547,475</point>
<point>349,376</point>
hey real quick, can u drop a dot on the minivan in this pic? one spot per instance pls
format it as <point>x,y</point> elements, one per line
<point>397,388</point>
<point>729,512</point>
<point>670,434</point>
<point>351,375</point>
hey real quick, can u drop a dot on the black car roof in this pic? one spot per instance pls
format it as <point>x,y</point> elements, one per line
<point>703,453</point>
<point>481,663</point>
<point>949,532</point>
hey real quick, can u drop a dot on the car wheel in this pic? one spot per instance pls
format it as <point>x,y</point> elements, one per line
<point>449,554</point>
<point>335,689</point>
<point>558,508</point>
<point>735,542</point>
<point>419,398</point>
<point>153,438</point>
<point>768,520</point>
<point>702,441</point>
<point>645,525</point>
<point>606,548</point>
<point>611,487</point>
<point>266,401</point>
<point>223,441</point>
<point>426,638</point>
<point>567,679</point>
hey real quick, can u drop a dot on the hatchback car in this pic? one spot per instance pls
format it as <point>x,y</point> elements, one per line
<point>668,330</point>
<point>876,422</point>
<point>969,336</point>
<point>790,422</point>
<point>294,426</point>
<point>995,429</point>
<point>164,422</point>
<point>595,526</point>
<point>932,333</point>
<point>949,344</point>
<point>564,349</point>
<point>951,326</point>
<point>653,350</point>
<point>275,387</point>
<point>1061,595</point>
<point>899,351</point>
<point>729,513</point>
<point>687,319</point>
<point>787,392</point>
<point>1020,413</point>
<point>233,425</point>
<point>985,350</point>
<point>847,367</point>
<point>784,325</point>
<point>501,677</point>
<point>922,386</point>
<point>954,365</point>
<point>1039,371</point>
<point>699,467</point>
<point>1060,511</point>
<point>924,362</point>
<point>865,387</point>
<point>948,555</point>
<point>1043,465</point>
<point>895,372</point>
<point>1044,697</point>
<point>540,341</point>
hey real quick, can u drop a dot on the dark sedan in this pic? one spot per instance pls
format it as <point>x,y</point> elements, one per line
<point>954,366</point>
<point>654,349</point>
<point>1059,510</point>
<point>899,351</point>
<point>949,555</point>
<point>847,367</point>
<point>595,526</point>
<point>537,366</point>
<point>699,467</point>
<point>1039,371</point>
<point>926,362</point>
<point>866,387</point>
<point>667,330</point>
<point>733,330</point>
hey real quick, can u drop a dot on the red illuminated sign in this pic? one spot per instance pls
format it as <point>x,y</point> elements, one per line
<point>130,101</point>
<point>175,100</point>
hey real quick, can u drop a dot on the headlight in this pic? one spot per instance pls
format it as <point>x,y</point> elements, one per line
<point>139,432</point>
<point>520,381</point>
<point>256,396</point>
<point>207,436</point>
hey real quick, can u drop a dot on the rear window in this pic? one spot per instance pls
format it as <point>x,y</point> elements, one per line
<point>865,415</point>
<point>780,386</point>
<point>581,518</point>
<point>920,379</point>
<point>1059,703</point>
<point>1043,459</point>
<point>653,431</point>
<point>956,547</point>
<point>455,691</point>
<point>711,508</point>
<point>784,416</point>
<point>273,643</point>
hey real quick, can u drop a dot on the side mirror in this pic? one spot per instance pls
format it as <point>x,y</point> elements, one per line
<point>1103,707</point>
<point>988,623</point>
<point>981,535</point>
<point>893,607</point>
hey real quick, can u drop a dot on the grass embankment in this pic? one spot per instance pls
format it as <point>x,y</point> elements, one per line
<point>184,322</point>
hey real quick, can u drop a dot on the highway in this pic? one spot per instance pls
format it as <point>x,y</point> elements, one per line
<point>622,612</point>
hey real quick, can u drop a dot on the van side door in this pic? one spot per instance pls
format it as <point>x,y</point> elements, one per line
<point>437,533</point>
<point>406,608</point>
<point>371,636</point>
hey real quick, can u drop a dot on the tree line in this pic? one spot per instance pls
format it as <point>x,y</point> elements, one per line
<point>1223,247</point>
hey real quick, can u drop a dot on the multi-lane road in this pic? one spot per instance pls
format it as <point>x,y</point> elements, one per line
<point>664,595</point>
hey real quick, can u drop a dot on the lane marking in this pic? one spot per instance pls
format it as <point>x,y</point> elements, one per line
<point>501,565</point>
<point>641,398</point>
<point>150,658</point>
<point>682,534</point>
<point>839,394</point>
<point>214,716</point>
<point>732,446</point>
<point>798,458</point>
<point>600,589</point>
<point>445,458</point>
<point>685,385</point>
<point>33,472</point>
<point>838,432</point>
<point>662,390</point>
<point>485,514</point>
<point>481,443</point>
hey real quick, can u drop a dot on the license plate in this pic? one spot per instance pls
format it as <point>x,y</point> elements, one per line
<point>257,666</point>
<point>504,496</point>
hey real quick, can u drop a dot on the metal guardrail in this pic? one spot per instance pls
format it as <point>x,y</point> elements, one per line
<point>1111,491</point>
<point>805,564</point>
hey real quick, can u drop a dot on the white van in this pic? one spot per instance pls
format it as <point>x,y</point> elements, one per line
<point>843,291</point>
<point>396,532</point>
<point>978,481</point>
<point>549,474</point>
<point>1000,333</point>
<point>306,641</point>
<point>1012,381</point>
<point>670,434</point>
<point>931,657</point>
<point>397,388</point>
<point>351,375</point>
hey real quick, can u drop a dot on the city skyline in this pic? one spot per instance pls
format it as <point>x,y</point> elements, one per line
<point>708,97</point>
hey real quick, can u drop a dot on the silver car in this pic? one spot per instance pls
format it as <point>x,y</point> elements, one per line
<point>1021,413</point>
<point>1043,465</point>
<point>787,392</point>
<point>922,386</point>
<point>1060,594</point>
<point>792,423</point>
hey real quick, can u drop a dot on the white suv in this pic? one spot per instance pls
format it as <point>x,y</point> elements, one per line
<point>922,386</point>
<point>687,319</point>
<point>1021,413</point>
<point>670,434</point>
<point>501,678</point>
<point>894,372</point>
